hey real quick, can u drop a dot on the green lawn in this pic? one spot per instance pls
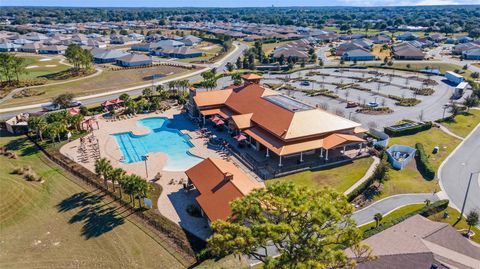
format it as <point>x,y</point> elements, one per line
<point>397,213</point>
<point>409,180</point>
<point>37,68</point>
<point>59,223</point>
<point>464,123</point>
<point>339,177</point>
<point>209,50</point>
<point>443,67</point>
<point>452,220</point>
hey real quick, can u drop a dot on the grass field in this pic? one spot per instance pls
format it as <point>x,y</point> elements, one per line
<point>409,180</point>
<point>464,123</point>
<point>443,67</point>
<point>37,68</point>
<point>379,52</point>
<point>339,178</point>
<point>452,220</point>
<point>393,215</point>
<point>60,224</point>
<point>106,81</point>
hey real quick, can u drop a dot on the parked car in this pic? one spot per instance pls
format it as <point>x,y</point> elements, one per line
<point>305,83</point>
<point>74,104</point>
<point>50,107</point>
<point>372,104</point>
<point>351,104</point>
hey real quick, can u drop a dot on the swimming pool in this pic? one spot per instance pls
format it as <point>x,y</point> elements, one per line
<point>160,139</point>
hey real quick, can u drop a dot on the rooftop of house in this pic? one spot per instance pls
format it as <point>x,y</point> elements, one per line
<point>219,183</point>
<point>420,243</point>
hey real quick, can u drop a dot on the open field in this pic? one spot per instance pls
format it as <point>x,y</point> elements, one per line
<point>452,220</point>
<point>339,177</point>
<point>60,224</point>
<point>393,215</point>
<point>464,123</point>
<point>409,180</point>
<point>379,52</point>
<point>106,81</point>
<point>443,67</point>
<point>39,66</point>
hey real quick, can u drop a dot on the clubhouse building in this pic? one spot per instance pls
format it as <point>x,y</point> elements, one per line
<point>274,132</point>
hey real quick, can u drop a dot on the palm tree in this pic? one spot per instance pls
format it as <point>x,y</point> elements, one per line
<point>103,169</point>
<point>128,186</point>
<point>38,124</point>
<point>75,120</point>
<point>143,187</point>
<point>172,85</point>
<point>51,132</point>
<point>377,217</point>
<point>143,103</point>
<point>472,220</point>
<point>471,101</point>
<point>116,175</point>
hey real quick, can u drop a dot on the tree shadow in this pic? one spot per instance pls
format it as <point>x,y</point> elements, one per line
<point>22,145</point>
<point>97,218</point>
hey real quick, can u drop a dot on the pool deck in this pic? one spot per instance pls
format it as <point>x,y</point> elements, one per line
<point>173,201</point>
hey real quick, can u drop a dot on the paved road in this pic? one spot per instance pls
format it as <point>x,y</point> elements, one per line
<point>455,172</point>
<point>388,204</point>
<point>137,90</point>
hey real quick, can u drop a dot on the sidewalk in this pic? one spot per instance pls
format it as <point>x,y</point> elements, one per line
<point>369,173</point>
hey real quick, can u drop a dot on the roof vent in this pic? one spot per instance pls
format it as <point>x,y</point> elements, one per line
<point>228,177</point>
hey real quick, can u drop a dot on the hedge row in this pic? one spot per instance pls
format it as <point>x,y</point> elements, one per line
<point>426,211</point>
<point>379,174</point>
<point>408,131</point>
<point>423,165</point>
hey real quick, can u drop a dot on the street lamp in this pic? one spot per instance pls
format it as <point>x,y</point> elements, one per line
<point>145,159</point>
<point>466,192</point>
<point>445,106</point>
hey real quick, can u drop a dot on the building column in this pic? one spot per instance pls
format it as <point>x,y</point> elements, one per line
<point>203,120</point>
<point>360,148</point>
<point>301,156</point>
<point>280,161</point>
<point>321,152</point>
<point>326,156</point>
<point>268,153</point>
<point>344,148</point>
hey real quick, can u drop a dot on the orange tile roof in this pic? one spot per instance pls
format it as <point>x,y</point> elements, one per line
<point>216,193</point>
<point>222,112</point>
<point>335,140</point>
<point>212,98</point>
<point>251,76</point>
<point>243,121</point>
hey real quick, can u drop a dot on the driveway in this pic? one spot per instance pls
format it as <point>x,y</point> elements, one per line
<point>384,206</point>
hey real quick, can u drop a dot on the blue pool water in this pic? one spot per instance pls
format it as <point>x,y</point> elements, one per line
<point>160,139</point>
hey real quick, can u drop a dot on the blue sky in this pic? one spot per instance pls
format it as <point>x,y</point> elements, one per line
<point>228,3</point>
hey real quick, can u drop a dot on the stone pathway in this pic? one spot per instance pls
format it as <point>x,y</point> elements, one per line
<point>447,131</point>
<point>369,173</point>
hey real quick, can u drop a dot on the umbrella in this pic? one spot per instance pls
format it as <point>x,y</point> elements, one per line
<point>240,137</point>
<point>214,119</point>
<point>219,122</point>
<point>107,103</point>
<point>74,111</point>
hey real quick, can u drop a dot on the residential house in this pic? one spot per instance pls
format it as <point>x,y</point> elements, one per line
<point>136,37</point>
<point>464,39</point>
<point>218,183</point>
<point>408,51</point>
<point>120,39</point>
<point>348,46</point>
<point>473,54</point>
<point>289,51</point>
<point>420,243</point>
<point>178,52</point>
<point>147,47</point>
<point>357,55</point>
<point>96,44</point>
<point>133,60</point>
<point>381,39</point>
<point>169,43</point>
<point>407,37</point>
<point>30,47</point>
<point>191,40</point>
<point>53,49</point>
<point>460,48</point>
<point>107,56</point>
<point>8,46</point>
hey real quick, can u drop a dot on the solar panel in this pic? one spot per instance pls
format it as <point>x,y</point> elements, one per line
<point>288,103</point>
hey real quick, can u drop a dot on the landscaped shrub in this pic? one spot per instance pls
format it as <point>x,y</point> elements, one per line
<point>401,101</point>
<point>408,131</point>
<point>423,164</point>
<point>426,211</point>
<point>374,110</point>
<point>422,91</point>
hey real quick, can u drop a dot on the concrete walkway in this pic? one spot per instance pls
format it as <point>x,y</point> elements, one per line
<point>368,174</point>
<point>447,131</point>
<point>387,205</point>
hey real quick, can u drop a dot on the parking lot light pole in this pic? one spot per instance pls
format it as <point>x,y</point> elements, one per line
<point>466,192</point>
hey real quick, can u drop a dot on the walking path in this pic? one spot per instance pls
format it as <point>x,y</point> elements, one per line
<point>387,205</point>
<point>447,131</point>
<point>368,174</point>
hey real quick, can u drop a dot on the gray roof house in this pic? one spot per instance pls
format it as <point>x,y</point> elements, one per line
<point>133,60</point>
<point>473,54</point>
<point>420,243</point>
<point>191,40</point>
<point>180,52</point>
<point>357,55</point>
<point>148,47</point>
<point>53,49</point>
<point>30,47</point>
<point>8,46</point>
<point>107,56</point>
<point>169,43</point>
